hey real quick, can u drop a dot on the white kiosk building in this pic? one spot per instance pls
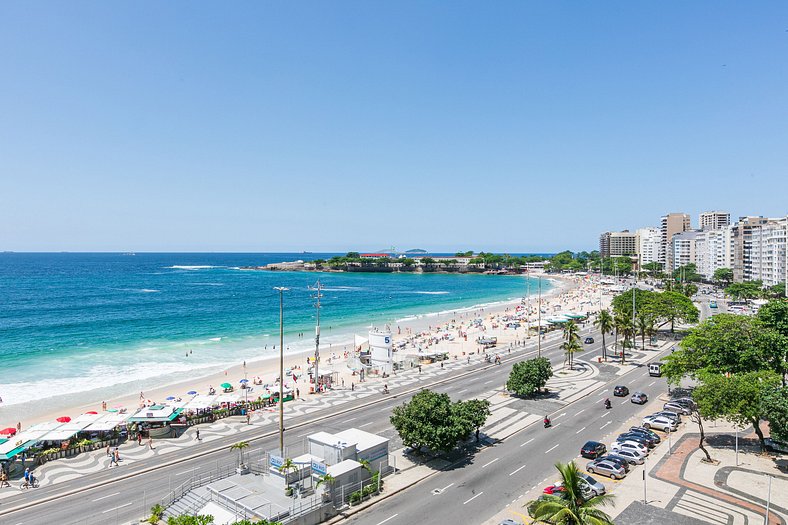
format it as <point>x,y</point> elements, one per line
<point>381,354</point>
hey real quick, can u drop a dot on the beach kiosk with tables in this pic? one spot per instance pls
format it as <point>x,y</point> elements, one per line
<point>157,419</point>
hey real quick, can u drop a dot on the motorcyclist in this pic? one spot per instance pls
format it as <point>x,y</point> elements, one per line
<point>607,403</point>
<point>546,422</point>
<point>385,389</point>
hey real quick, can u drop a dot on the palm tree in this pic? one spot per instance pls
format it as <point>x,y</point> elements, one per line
<point>623,325</point>
<point>570,508</point>
<point>325,479</point>
<point>240,446</point>
<point>365,465</point>
<point>287,466</point>
<point>569,348</point>
<point>645,326</point>
<point>605,324</point>
<point>571,331</point>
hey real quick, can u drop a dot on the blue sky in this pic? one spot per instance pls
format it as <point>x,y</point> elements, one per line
<point>264,126</point>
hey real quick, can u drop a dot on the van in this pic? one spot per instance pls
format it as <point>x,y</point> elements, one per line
<point>655,369</point>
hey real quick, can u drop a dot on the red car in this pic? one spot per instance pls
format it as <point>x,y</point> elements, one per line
<point>552,489</point>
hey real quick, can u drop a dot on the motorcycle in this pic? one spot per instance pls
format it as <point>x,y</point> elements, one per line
<point>607,404</point>
<point>547,423</point>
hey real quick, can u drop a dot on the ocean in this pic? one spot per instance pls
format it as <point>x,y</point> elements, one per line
<point>99,325</point>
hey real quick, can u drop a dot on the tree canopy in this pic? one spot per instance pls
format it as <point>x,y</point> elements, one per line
<point>431,420</point>
<point>528,377</point>
<point>723,276</point>
<point>744,291</point>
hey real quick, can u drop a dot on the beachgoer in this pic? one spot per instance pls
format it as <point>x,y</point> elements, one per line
<point>198,434</point>
<point>248,418</point>
<point>139,438</point>
<point>19,426</point>
<point>352,386</point>
<point>298,393</point>
<point>109,451</point>
<point>3,479</point>
<point>150,442</point>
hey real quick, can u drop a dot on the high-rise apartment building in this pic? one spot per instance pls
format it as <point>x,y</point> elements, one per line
<point>767,252</point>
<point>684,249</point>
<point>617,244</point>
<point>671,224</point>
<point>648,241</point>
<point>714,220</point>
<point>742,246</point>
<point>714,250</point>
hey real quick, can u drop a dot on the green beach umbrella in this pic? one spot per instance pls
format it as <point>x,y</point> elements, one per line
<point>226,385</point>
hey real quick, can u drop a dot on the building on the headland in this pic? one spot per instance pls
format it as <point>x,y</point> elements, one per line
<point>767,252</point>
<point>684,249</point>
<point>617,244</point>
<point>714,250</point>
<point>714,220</point>
<point>648,240</point>
<point>671,224</point>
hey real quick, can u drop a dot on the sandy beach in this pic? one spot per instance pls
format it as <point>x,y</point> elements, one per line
<point>576,294</point>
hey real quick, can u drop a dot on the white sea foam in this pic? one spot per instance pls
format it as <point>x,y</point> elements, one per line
<point>215,339</point>
<point>149,290</point>
<point>429,293</point>
<point>196,267</point>
<point>205,284</point>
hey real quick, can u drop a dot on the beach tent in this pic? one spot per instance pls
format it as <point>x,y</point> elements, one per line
<point>107,422</point>
<point>201,402</point>
<point>23,441</point>
<point>155,414</point>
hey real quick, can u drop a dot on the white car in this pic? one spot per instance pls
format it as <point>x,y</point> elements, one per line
<point>660,423</point>
<point>632,446</point>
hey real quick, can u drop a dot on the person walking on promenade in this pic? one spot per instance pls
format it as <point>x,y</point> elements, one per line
<point>150,442</point>
<point>298,393</point>
<point>117,456</point>
<point>198,434</point>
<point>139,437</point>
<point>112,461</point>
<point>248,418</point>
<point>3,479</point>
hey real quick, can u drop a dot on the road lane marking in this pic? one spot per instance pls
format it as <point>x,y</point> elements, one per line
<point>580,412</point>
<point>524,444</point>
<point>473,498</point>
<point>463,390</point>
<point>650,384</point>
<point>116,508</point>
<point>553,448</point>
<point>624,402</point>
<point>516,471</point>
<point>557,425</point>
<point>580,430</point>
<point>447,486</point>
<point>351,419</point>
<point>602,392</point>
<point>490,463</point>
<point>562,414</point>
<point>606,424</point>
<point>486,383</point>
<point>366,424</point>
<point>105,497</point>
<point>389,518</point>
<point>190,471</point>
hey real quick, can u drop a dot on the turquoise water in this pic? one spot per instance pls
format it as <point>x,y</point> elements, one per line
<point>74,323</point>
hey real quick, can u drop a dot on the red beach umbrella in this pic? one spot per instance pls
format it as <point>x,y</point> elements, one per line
<point>63,419</point>
<point>10,431</point>
<point>92,412</point>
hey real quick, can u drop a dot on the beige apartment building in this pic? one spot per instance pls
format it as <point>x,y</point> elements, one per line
<point>617,244</point>
<point>671,224</point>
<point>714,220</point>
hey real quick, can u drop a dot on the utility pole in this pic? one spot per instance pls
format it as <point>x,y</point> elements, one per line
<point>528,297</point>
<point>539,327</point>
<point>281,289</point>
<point>317,288</point>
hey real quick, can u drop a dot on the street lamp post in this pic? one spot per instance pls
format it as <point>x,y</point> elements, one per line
<point>281,290</point>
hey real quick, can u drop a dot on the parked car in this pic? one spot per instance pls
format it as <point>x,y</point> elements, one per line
<point>595,486</point>
<point>606,468</point>
<point>593,449</point>
<point>634,446</point>
<point>679,409</point>
<point>509,521</point>
<point>588,485</point>
<point>618,460</point>
<point>620,391</point>
<point>670,415</point>
<point>639,398</point>
<point>660,423</point>
<point>653,435</point>
<point>634,458</point>
<point>589,340</point>
<point>684,401</point>
<point>513,325</point>
<point>553,489</point>
<point>640,438</point>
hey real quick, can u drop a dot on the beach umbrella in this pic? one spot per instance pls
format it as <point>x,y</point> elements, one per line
<point>243,381</point>
<point>112,410</point>
<point>226,385</point>
<point>170,398</point>
<point>93,412</point>
<point>63,419</point>
<point>191,393</point>
<point>10,431</point>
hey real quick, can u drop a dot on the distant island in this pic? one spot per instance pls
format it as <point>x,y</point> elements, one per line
<point>416,250</point>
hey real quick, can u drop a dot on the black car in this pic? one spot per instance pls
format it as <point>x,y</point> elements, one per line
<point>618,460</point>
<point>621,391</point>
<point>646,432</point>
<point>589,340</point>
<point>635,436</point>
<point>593,449</point>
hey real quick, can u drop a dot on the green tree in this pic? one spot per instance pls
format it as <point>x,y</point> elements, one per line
<point>472,414</point>
<point>774,315</point>
<point>653,267</point>
<point>671,307</point>
<point>571,347</point>
<point>427,421</point>
<point>529,376</point>
<point>723,276</point>
<point>775,410</point>
<point>407,262</point>
<point>776,291</point>
<point>645,327</point>
<point>744,291</point>
<point>240,447</point>
<point>156,513</point>
<point>190,520</point>
<point>570,508</point>
<point>604,322</point>
<point>287,466</point>
<point>327,480</point>
<point>353,255</point>
<point>687,273</point>
<point>736,398</point>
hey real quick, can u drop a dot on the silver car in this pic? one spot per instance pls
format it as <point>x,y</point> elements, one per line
<point>632,458</point>
<point>660,423</point>
<point>677,408</point>
<point>606,468</point>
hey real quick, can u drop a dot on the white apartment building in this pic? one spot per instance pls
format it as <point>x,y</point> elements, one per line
<point>617,244</point>
<point>683,249</point>
<point>767,252</point>
<point>648,241</point>
<point>714,250</point>
<point>714,220</point>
